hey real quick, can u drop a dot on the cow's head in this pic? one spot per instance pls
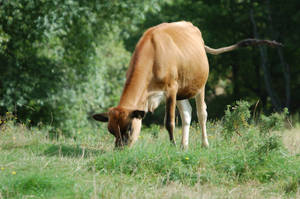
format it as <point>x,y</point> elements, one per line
<point>120,123</point>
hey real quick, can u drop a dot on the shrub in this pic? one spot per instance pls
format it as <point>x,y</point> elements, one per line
<point>236,118</point>
<point>274,122</point>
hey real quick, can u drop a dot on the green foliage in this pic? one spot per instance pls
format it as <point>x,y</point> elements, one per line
<point>100,91</point>
<point>4,38</point>
<point>274,122</point>
<point>61,60</point>
<point>236,118</point>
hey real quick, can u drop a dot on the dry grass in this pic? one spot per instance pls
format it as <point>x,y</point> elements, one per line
<point>291,139</point>
<point>251,190</point>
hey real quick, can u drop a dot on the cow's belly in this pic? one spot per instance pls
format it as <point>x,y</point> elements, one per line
<point>191,82</point>
<point>190,88</point>
<point>187,92</point>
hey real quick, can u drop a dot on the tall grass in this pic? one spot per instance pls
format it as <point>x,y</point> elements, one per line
<point>240,153</point>
<point>246,159</point>
<point>251,157</point>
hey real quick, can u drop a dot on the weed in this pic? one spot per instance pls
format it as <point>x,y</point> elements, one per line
<point>292,186</point>
<point>236,119</point>
<point>274,122</point>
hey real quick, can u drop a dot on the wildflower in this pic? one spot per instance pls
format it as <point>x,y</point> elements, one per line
<point>187,158</point>
<point>13,173</point>
<point>14,138</point>
<point>2,168</point>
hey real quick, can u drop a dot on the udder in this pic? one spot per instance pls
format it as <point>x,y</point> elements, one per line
<point>154,100</point>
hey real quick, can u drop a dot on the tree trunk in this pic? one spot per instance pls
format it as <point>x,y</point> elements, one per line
<point>285,66</point>
<point>263,60</point>
<point>236,89</point>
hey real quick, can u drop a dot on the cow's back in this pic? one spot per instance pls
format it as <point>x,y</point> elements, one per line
<point>179,55</point>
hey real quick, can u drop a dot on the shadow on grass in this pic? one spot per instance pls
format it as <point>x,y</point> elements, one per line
<point>71,151</point>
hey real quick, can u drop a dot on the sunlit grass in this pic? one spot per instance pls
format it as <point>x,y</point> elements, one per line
<point>253,165</point>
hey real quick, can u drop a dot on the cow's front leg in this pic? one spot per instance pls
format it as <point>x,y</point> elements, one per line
<point>170,113</point>
<point>135,131</point>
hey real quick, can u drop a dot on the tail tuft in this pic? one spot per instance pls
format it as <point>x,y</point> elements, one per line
<point>254,42</point>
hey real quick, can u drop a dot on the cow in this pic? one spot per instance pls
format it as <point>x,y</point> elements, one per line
<point>169,62</point>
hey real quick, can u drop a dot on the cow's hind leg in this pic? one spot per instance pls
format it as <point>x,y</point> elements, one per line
<point>202,116</point>
<point>185,111</point>
<point>170,113</point>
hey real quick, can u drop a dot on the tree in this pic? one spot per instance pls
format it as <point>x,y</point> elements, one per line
<point>50,51</point>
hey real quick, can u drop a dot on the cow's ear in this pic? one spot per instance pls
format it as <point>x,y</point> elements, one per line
<point>138,114</point>
<point>102,117</point>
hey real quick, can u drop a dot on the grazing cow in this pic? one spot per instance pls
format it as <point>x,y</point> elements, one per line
<point>169,62</point>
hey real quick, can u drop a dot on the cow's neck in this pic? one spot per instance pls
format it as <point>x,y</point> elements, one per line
<point>135,92</point>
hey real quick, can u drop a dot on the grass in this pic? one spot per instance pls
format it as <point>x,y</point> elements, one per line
<point>253,165</point>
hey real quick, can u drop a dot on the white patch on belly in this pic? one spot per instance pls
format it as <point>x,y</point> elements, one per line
<point>154,100</point>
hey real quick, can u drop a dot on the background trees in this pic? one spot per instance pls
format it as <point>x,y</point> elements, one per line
<point>60,60</point>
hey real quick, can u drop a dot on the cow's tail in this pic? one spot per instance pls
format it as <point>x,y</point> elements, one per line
<point>243,43</point>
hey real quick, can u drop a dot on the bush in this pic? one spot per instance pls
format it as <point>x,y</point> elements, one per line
<point>236,118</point>
<point>274,122</point>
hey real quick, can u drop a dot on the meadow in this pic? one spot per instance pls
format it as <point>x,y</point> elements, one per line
<point>248,158</point>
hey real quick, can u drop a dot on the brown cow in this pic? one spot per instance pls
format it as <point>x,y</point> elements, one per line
<point>169,61</point>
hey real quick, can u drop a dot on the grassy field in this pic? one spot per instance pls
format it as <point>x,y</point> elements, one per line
<point>253,165</point>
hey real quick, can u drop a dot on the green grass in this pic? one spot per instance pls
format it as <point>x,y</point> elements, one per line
<point>253,165</point>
